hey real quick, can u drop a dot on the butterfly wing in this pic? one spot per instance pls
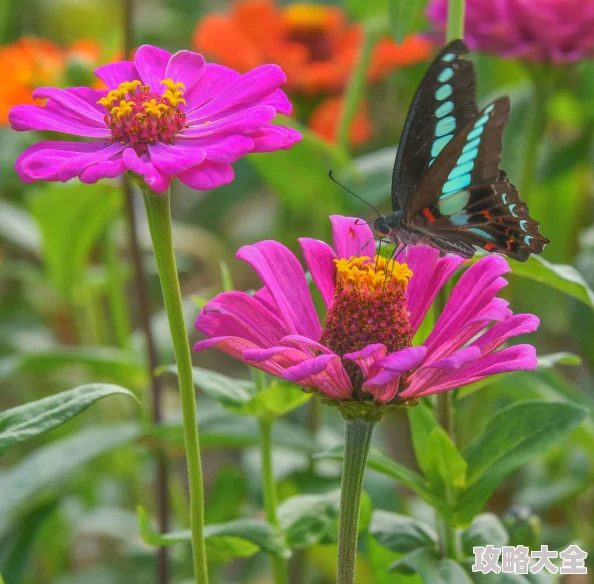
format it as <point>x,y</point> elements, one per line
<point>444,104</point>
<point>466,197</point>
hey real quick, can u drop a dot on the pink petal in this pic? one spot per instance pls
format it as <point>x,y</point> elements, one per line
<point>142,165</point>
<point>516,358</point>
<point>351,237</point>
<point>240,315</point>
<point>34,117</point>
<point>151,64</point>
<point>218,148</point>
<point>208,175</point>
<point>430,273</point>
<point>519,324</point>
<point>324,373</point>
<point>249,88</point>
<point>248,120</point>
<point>305,344</point>
<point>185,67</point>
<point>319,258</point>
<point>283,275</point>
<point>275,138</point>
<point>366,357</point>
<point>113,74</point>
<point>214,77</point>
<point>174,159</point>
<point>71,104</point>
<point>475,289</point>
<point>106,169</point>
<point>457,359</point>
<point>47,160</point>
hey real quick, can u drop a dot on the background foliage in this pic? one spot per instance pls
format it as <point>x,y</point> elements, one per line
<point>69,319</point>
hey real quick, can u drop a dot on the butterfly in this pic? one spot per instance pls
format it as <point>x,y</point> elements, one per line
<point>448,191</point>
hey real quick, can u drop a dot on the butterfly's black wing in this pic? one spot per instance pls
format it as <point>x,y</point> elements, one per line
<point>444,104</point>
<point>466,197</point>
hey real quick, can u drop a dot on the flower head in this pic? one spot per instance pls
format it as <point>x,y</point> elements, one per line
<point>161,116</point>
<point>314,43</point>
<point>363,355</point>
<point>535,30</point>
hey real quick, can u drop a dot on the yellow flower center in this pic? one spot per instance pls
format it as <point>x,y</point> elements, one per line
<point>306,15</point>
<point>366,276</point>
<point>140,117</point>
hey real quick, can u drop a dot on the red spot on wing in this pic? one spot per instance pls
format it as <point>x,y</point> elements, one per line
<point>429,215</point>
<point>487,215</point>
<point>489,246</point>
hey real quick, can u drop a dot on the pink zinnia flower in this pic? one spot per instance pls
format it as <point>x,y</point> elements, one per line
<point>535,30</point>
<point>161,116</point>
<point>364,350</point>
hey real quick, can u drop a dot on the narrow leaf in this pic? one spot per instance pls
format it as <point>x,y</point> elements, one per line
<point>422,423</point>
<point>485,529</point>
<point>403,14</point>
<point>29,420</point>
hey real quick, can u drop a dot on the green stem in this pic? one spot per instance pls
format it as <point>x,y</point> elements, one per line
<point>159,220</point>
<point>357,440</point>
<point>356,87</point>
<point>455,27</point>
<point>533,135</point>
<point>448,535</point>
<point>279,565</point>
<point>116,295</point>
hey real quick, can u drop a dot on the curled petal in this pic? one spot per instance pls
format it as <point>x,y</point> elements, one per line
<point>519,324</point>
<point>151,64</point>
<point>113,74</point>
<point>306,345</point>
<point>185,67</point>
<point>72,104</point>
<point>142,165</point>
<point>366,357</point>
<point>324,373</point>
<point>208,175</point>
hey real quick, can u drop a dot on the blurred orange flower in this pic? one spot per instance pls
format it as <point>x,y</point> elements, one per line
<point>314,44</point>
<point>325,119</point>
<point>34,62</point>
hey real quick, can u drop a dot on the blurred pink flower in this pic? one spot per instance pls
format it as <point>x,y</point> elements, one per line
<point>364,351</point>
<point>535,30</point>
<point>161,116</point>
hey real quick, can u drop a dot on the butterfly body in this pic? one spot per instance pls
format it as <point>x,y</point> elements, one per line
<point>448,191</point>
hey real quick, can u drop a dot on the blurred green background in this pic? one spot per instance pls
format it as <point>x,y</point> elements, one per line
<point>69,314</point>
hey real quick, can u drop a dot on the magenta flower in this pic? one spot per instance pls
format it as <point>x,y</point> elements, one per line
<point>162,116</point>
<point>364,351</point>
<point>535,30</point>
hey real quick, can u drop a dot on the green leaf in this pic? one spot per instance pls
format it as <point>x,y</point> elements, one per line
<point>385,465</point>
<point>231,392</point>
<point>50,465</point>
<point>512,437</point>
<point>106,362</point>
<point>446,469</point>
<point>278,399</point>
<point>371,9</point>
<point>432,569</point>
<point>422,423</point>
<point>400,533</point>
<point>485,529</point>
<point>309,519</point>
<point>29,420</point>
<point>240,395</point>
<point>403,14</point>
<point>239,538</point>
<point>71,218</point>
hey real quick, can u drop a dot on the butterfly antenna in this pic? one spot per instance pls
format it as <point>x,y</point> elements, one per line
<point>378,253</point>
<point>354,195</point>
<point>358,253</point>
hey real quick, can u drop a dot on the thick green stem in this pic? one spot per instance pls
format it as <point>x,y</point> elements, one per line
<point>448,536</point>
<point>357,440</point>
<point>159,220</point>
<point>455,27</point>
<point>279,565</point>
<point>356,87</point>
